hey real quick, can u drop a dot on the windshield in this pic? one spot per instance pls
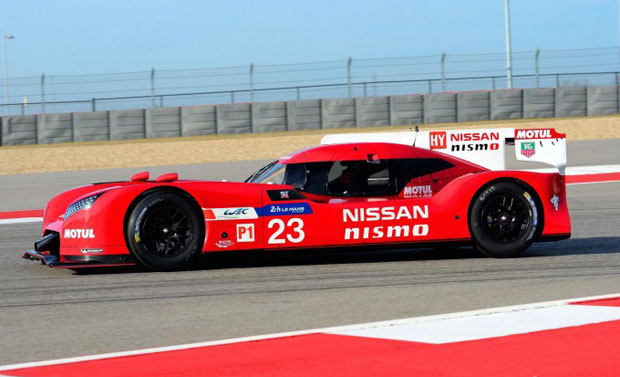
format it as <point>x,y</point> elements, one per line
<point>271,173</point>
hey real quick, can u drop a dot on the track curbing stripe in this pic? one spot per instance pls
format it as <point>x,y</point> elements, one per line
<point>439,317</point>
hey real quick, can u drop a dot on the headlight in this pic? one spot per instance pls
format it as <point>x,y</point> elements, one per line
<point>81,204</point>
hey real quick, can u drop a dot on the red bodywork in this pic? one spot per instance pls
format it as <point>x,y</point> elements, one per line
<point>261,222</point>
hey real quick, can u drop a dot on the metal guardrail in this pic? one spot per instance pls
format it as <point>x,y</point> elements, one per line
<point>310,80</point>
<point>159,100</point>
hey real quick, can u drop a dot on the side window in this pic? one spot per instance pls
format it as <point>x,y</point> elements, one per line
<point>316,177</point>
<point>359,178</point>
<point>406,169</point>
<point>295,175</point>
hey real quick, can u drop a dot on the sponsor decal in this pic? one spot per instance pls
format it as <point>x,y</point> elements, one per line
<point>285,209</point>
<point>465,141</point>
<point>555,200</point>
<point>245,232</point>
<point>369,214</point>
<point>528,149</point>
<point>384,213</point>
<point>240,213</point>
<point>438,139</point>
<point>223,244</point>
<point>79,233</point>
<point>279,195</point>
<point>470,147</point>
<point>541,133</point>
<point>90,250</point>
<point>423,191</point>
<point>386,231</point>
<point>474,136</point>
<point>292,231</point>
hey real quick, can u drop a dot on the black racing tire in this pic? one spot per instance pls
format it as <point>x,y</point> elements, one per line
<point>165,231</point>
<point>503,220</point>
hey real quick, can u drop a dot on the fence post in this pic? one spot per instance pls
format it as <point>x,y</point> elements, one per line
<point>153,104</point>
<point>232,96</point>
<point>493,78</point>
<point>443,71</point>
<point>430,86</point>
<point>93,103</point>
<point>374,84</point>
<point>43,93</point>
<point>617,79</point>
<point>365,89</point>
<point>25,106</point>
<point>537,66</point>
<point>349,62</point>
<point>161,101</point>
<point>251,82</point>
<point>298,92</point>
<point>557,80</point>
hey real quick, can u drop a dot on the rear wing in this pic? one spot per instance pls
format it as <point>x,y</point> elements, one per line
<point>484,147</point>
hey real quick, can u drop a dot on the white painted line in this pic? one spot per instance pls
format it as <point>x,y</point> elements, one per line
<point>591,183</point>
<point>21,220</point>
<point>426,319</point>
<point>582,170</point>
<point>491,325</point>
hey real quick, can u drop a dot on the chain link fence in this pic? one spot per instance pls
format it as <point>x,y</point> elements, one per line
<point>350,77</point>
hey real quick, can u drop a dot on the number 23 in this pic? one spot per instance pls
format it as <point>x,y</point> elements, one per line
<point>297,234</point>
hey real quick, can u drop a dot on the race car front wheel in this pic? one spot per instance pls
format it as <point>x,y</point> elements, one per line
<point>503,220</point>
<point>164,231</point>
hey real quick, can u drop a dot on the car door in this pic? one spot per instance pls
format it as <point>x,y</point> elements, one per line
<point>330,213</point>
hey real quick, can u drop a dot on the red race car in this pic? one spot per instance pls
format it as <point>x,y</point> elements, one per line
<point>405,188</point>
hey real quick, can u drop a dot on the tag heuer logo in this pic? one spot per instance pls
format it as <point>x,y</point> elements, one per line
<point>528,149</point>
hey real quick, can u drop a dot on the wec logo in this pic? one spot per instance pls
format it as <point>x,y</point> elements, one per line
<point>79,233</point>
<point>236,212</point>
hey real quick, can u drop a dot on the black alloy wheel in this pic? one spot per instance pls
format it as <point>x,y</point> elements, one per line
<point>503,220</point>
<point>164,231</point>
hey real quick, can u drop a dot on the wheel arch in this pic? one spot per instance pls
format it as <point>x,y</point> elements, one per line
<point>523,184</point>
<point>169,189</point>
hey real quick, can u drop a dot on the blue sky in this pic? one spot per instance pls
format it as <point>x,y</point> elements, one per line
<point>73,37</point>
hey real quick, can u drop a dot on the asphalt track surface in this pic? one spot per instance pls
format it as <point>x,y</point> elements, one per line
<point>47,313</point>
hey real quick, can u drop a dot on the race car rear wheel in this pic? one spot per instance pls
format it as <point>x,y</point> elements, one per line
<point>164,231</point>
<point>503,220</point>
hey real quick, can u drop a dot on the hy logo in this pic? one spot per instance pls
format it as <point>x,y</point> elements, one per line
<point>528,149</point>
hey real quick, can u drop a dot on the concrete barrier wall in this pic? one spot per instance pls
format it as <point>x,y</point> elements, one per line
<point>198,120</point>
<point>506,104</point>
<point>304,115</point>
<point>163,122</point>
<point>19,130</point>
<point>269,117</point>
<point>54,128</point>
<point>234,119</point>
<point>407,109</point>
<point>473,106</point>
<point>92,126</point>
<point>571,101</point>
<point>602,100</point>
<point>372,111</point>
<point>539,103</point>
<point>127,124</point>
<point>262,117</point>
<point>337,113</point>
<point>440,108</point>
